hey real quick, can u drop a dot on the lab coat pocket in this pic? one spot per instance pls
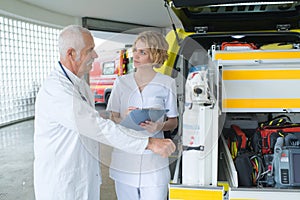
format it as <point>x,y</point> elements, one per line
<point>66,186</point>
<point>72,185</point>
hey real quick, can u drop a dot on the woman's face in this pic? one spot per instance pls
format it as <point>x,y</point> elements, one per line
<point>141,55</point>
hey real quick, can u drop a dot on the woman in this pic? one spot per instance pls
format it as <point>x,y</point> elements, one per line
<point>144,176</point>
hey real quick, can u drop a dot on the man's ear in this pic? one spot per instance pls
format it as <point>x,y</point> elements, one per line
<point>71,54</point>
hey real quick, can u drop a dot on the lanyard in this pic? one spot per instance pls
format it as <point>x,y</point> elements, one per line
<point>66,75</point>
<point>64,71</point>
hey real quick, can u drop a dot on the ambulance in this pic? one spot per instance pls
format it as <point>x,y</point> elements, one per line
<point>106,69</point>
<point>237,67</point>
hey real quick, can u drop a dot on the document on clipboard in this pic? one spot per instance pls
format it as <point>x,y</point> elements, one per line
<point>136,117</point>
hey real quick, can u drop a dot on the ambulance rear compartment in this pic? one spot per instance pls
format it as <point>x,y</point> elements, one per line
<point>247,102</point>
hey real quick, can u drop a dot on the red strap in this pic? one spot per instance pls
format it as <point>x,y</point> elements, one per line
<point>240,133</point>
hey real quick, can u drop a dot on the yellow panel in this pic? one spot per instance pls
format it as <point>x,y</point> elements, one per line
<point>192,194</point>
<point>261,103</point>
<point>260,74</point>
<point>168,65</point>
<point>224,184</point>
<point>252,55</point>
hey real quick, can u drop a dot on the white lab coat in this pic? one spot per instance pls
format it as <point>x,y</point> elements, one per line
<point>66,165</point>
<point>148,169</point>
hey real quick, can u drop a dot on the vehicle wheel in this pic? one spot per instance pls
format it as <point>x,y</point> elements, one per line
<point>107,97</point>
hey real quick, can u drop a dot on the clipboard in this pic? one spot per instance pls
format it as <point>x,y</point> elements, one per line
<point>136,117</point>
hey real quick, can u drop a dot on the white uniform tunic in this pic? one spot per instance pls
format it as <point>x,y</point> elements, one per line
<point>67,126</point>
<point>148,169</point>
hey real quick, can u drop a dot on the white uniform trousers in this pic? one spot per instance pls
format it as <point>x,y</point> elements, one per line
<point>127,192</point>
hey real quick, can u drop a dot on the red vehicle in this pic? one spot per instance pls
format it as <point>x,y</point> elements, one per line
<point>104,72</point>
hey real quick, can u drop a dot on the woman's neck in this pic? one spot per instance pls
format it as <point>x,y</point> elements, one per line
<point>143,77</point>
<point>145,71</point>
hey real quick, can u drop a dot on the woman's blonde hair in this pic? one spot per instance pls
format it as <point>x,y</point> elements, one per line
<point>157,45</point>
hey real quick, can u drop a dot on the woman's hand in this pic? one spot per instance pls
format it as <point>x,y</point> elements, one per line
<point>152,127</point>
<point>131,108</point>
<point>116,117</point>
<point>169,124</point>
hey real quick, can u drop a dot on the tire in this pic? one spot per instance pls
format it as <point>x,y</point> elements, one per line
<point>107,98</point>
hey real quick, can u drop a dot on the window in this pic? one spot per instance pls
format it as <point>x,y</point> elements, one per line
<point>108,68</point>
<point>27,54</point>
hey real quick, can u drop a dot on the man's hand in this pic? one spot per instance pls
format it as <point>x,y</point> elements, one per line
<point>163,147</point>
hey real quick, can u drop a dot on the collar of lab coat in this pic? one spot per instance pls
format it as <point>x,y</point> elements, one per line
<point>75,79</point>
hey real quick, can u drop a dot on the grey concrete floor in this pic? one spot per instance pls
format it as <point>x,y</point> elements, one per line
<point>16,163</point>
<point>16,158</point>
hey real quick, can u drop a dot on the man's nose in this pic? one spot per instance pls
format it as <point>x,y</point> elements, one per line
<point>95,55</point>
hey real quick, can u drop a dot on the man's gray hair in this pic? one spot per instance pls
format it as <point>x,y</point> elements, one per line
<point>71,37</point>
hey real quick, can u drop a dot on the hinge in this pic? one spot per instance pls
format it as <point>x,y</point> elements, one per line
<point>171,4</point>
<point>201,29</point>
<point>283,27</point>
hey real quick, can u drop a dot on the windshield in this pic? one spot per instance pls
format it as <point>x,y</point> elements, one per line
<point>108,68</point>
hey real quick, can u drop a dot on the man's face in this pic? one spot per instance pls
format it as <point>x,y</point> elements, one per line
<point>87,55</point>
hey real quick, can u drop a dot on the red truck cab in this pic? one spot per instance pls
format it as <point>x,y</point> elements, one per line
<point>104,72</point>
<point>102,78</point>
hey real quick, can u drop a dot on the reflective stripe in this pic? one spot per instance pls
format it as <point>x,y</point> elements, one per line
<point>262,103</point>
<point>260,74</point>
<point>100,86</point>
<point>195,193</point>
<point>257,55</point>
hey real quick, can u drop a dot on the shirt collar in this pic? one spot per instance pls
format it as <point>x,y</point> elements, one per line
<point>75,79</point>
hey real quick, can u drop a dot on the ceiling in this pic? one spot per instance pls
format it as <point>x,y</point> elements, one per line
<point>144,12</point>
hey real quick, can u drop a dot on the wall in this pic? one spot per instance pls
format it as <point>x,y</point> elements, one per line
<point>20,8</point>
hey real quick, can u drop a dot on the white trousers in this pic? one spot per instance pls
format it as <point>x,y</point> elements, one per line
<point>127,192</point>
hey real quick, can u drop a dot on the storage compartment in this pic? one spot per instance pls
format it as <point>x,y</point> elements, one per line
<point>263,150</point>
<point>253,87</point>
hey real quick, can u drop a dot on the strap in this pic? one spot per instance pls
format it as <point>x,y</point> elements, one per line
<point>240,133</point>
